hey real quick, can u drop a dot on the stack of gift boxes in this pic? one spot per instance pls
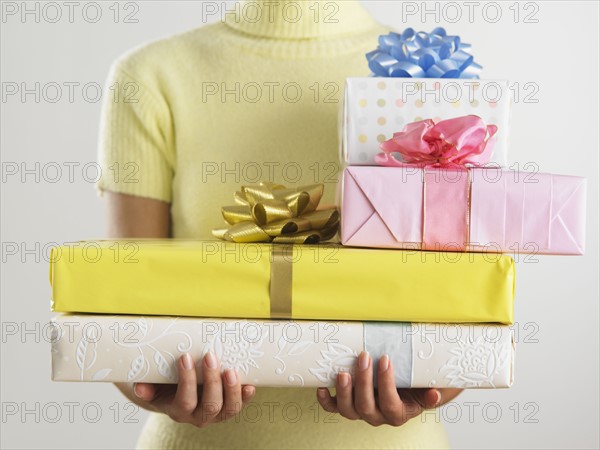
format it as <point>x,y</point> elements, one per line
<point>427,216</point>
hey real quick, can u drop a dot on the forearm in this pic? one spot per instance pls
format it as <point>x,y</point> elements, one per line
<point>135,217</point>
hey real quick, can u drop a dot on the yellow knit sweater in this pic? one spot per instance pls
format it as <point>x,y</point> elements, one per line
<point>255,97</point>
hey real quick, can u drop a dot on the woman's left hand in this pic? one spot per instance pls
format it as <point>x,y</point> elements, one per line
<point>386,405</point>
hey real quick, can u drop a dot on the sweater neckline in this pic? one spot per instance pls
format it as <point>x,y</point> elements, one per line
<point>298,19</point>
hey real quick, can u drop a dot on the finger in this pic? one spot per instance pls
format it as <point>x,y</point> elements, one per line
<point>343,394</point>
<point>233,394</point>
<point>248,393</point>
<point>326,401</point>
<point>364,394</point>
<point>144,391</point>
<point>212,390</point>
<point>390,404</point>
<point>186,397</point>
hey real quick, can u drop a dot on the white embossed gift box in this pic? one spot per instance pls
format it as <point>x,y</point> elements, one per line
<point>279,353</point>
<point>375,108</point>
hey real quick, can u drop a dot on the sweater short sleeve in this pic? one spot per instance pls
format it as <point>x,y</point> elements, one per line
<point>136,150</point>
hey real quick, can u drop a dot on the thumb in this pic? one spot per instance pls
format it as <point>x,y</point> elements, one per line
<point>425,398</point>
<point>431,398</point>
<point>144,391</point>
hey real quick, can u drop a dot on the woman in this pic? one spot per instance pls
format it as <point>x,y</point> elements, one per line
<point>194,116</point>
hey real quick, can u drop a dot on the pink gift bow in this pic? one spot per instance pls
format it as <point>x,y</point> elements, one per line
<point>460,141</point>
<point>455,145</point>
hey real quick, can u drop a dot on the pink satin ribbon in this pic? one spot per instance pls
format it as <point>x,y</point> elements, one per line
<point>446,207</point>
<point>449,147</point>
<point>460,141</point>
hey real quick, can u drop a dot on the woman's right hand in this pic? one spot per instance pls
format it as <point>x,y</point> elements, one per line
<point>220,397</point>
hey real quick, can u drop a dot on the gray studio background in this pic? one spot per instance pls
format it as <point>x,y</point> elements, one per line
<point>554,401</point>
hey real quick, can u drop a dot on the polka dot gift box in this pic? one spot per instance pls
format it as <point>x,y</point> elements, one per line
<point>418,76</point>
<point>376,108</point>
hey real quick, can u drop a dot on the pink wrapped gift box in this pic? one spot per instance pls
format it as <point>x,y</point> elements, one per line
<point>480,209</point>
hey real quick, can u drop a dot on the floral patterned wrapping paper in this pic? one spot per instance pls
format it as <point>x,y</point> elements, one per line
<point>279,353</point>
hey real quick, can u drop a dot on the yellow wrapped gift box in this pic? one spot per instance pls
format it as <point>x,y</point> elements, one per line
<point>325,282</point>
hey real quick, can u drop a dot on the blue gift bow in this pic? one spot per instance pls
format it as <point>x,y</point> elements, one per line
<point>422,55</point>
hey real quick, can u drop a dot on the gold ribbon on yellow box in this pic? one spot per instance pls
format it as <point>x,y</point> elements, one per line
<point>271,212</point>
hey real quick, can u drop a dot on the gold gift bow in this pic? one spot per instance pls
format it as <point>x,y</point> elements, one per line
<point>271,212</point>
